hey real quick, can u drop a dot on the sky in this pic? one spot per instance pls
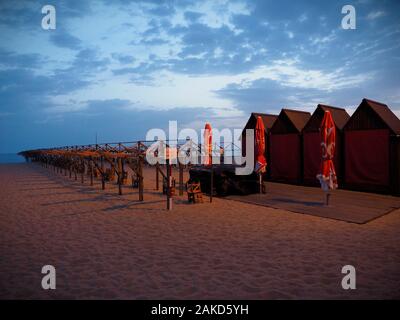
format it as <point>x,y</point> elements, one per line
<point>119,68</point>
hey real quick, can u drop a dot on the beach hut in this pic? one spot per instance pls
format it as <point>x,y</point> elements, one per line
<point>371,147</point>
<point>286,146</point>
<point>312,143</point>
<point>268,120</point>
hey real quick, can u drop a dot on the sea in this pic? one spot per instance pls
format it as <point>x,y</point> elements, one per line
<point>11,158</point>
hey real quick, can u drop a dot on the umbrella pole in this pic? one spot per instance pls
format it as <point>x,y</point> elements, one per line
<point>260,182</point>
<point>157,169</point>
<point>327,196</point>
<point>211,183</point>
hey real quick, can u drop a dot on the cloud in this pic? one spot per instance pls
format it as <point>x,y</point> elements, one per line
<point>318,40</point>
<point>303,18</point>
<point>265,95</point>
<point>61,38</point>
<point>269,96</point>
<point>290,34</point>
<point>86,63</point>
<point>107,105</point>
<point>77,128</point>
<point>123,59</point>
<point>192,17</point>
<point>10,59</point>
<point>23,91</point>
<point>110,61</point>
<point>375,15</point>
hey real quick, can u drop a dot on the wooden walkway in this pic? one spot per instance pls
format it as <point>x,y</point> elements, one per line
<point>344,205</point>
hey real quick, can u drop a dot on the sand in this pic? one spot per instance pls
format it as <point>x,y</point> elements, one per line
<point>107,246</point>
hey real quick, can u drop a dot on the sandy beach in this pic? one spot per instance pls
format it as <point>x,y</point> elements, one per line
<point>107,246</point>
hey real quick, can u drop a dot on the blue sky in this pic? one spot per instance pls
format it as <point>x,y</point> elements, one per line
<point>119,68</point>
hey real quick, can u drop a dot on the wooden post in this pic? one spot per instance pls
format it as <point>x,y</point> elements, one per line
<point>180,179</point>
<point>91,171</point>
<point>169,182</point>
<point>199,157</point>
<point>82,170</point>
<point>103,182</point>
<point>141,180</point>
<point>119,162</point>
<point>211,184</point>
<point>123,171</point>
<point>157,177</point>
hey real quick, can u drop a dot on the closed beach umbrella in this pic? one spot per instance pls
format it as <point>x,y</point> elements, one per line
<point>261,162</point>
<point>327,177</point>
<point>208,145</point>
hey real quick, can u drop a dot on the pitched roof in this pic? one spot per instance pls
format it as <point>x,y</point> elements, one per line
<point>384,112</point>
<point>268,119</point>
<point>339,115</point>
<point>298,118</point>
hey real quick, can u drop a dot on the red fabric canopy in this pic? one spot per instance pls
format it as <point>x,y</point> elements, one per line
<point>208,144</point>
<point>327,177</point>
<point>261,162</point>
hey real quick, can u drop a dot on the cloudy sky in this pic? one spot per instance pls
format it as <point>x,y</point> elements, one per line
<point>119,68</point>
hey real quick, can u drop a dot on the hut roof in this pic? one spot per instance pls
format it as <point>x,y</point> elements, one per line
<point>339,115</point>
<point>372,114</point>
<point>386,115</point>
<point>296,117</point>
<point>268,120</point>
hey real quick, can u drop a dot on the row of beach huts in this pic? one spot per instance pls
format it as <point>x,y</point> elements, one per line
<point>367,155</point>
